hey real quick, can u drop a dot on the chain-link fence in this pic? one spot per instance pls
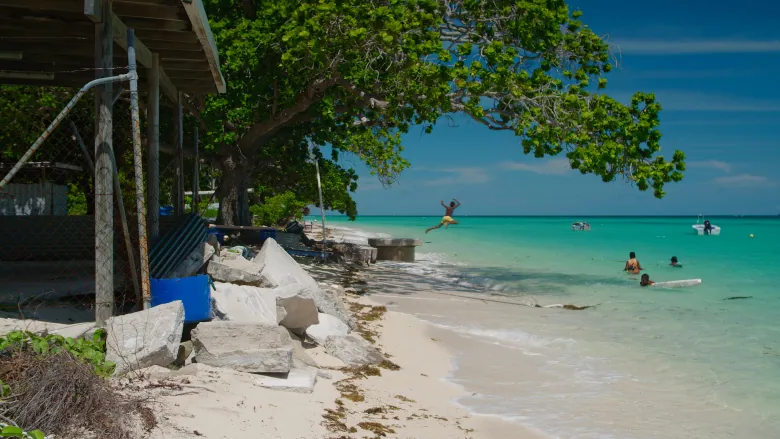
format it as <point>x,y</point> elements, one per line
<point>49,241</point>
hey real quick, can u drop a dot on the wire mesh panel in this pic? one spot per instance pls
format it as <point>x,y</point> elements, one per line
<point>47,212</point>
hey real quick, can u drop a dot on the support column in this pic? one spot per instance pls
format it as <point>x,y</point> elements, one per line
<point>196,175</point>
<point>104,188</point>
<point>179,124</point>
<point>153,146</point>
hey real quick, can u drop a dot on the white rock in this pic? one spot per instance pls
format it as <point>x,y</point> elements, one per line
<point>279,269</point>
<point>246,347</point>
<point>352,350</point>
<point>300,380</point>
<point>146,338</point>
<point>237,271</point>
<point>243,303</point>
<point>79,330</point>
<point>300,312</point>
<point>192,263</point>
<point>327,326</point>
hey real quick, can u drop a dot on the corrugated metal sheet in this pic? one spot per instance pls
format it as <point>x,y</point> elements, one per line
<point>34,199</point>
<point>176,245</point>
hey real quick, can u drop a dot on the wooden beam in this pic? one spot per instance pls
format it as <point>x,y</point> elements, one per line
<point>141,25</point>
<point>92,9</point>
<point>200,25</point>
<point>178,123</point>
<point>153,147</point>
<point>46,5</point>
<point>154,12</point>
<point>104,187</point>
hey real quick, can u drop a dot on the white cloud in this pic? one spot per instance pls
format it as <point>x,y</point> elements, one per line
<point>473,175</point>
<point>547,167</point>
<point>683,47</point>
<point>711,164</point>
<point>744,180</point>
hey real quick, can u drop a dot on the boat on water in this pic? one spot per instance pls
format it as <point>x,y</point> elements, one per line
<point>705,228</point>
<point>580,226</point>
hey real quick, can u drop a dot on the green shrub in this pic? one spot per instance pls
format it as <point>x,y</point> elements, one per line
<point>277,209</point>
<point>92,352</point>
<point>14,431</point>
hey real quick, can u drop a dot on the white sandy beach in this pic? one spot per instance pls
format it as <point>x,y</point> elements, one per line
<point>414,402</point>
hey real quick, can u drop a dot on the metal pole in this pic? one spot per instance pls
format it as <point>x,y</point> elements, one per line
<point>179,155</point>
<point>143,245</point>
<point>195,202</point>
<point>104,185</point>
<point>56,122</point>
<point>153,141</point>
<point>84,151</point>
<point>322,206</point>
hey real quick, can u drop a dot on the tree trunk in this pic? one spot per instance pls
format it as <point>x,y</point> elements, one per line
<point>232,193</point>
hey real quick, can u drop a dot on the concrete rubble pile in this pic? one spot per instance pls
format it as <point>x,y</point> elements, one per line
<point>267,313</point>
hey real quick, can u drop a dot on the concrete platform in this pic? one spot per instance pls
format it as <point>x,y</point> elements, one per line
<point>399,249</point>
<point>300,380</point>
<point>362,254</point>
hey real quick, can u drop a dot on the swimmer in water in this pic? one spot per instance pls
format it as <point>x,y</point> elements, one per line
<point>632,265</point>
<point>646,282</point>
<point>675,263</point>
<point>447,219</point>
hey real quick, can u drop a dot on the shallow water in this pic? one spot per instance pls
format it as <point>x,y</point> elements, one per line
<point>645,362</point>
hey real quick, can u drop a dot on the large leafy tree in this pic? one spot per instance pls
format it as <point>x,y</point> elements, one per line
<point>357,74</point>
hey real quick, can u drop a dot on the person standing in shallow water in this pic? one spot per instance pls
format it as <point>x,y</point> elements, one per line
<point>447,219</point>
<point>632,264</point>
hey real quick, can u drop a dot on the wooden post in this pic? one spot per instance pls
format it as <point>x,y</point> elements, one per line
<point>104,187</point>
<point>196,176</point>
<point>153,140</point>
<point>179,124</point>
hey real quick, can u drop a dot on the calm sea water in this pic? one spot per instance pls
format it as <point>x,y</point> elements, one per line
<point>713,364</point>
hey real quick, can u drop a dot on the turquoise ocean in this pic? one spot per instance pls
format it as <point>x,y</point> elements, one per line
<point>693,357</point>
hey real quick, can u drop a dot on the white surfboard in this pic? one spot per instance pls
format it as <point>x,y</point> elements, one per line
<point>678,283</point>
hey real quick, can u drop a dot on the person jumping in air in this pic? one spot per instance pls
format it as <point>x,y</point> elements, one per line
<point>447,219</point>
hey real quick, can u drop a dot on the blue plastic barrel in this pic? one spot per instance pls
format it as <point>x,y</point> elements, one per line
<point>194,292</point>
<point>166,210</point>
<point>267,233</point>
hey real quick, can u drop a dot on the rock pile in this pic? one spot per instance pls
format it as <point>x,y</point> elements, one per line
<point>264,308</point>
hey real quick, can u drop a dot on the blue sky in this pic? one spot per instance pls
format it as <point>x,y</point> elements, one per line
<point>715,68</point>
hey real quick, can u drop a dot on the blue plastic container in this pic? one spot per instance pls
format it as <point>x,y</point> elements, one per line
<point>166,210</point>
<point>194,292</point>
<point>267,233</point>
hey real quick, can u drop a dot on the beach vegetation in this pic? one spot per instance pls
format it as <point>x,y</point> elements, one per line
<point>58,385</point>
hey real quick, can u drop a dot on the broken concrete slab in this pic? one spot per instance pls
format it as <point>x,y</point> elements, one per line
<point>79,330</point>
<point>327,326</point>
<point>146,338</point>
<point>237,271</point>
<point>194,261</point>
<point>280,269</point>
<point>300,356</point>
<point>300,312</point>
<point>352,350</point>
<point>300,380</point>
<point>245,347</point>
<point>243,303</point>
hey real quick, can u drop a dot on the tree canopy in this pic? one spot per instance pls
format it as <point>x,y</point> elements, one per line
<point>357,74</point>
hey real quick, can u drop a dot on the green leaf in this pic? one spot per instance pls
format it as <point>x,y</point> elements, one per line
<point>36,434</point>
<point>11,431</point>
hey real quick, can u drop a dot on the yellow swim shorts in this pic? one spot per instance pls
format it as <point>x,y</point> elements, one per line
<point>447,219</point>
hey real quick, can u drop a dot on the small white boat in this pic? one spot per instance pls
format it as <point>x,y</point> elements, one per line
<point>580,226</point>
<point>705,228</point>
